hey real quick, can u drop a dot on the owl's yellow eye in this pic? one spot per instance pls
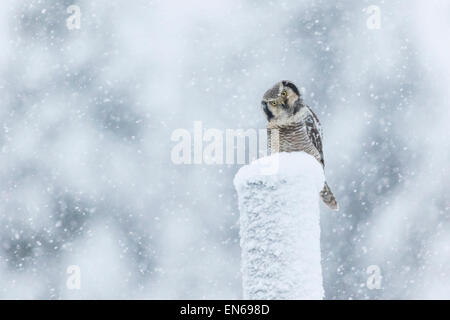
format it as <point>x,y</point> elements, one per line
<point>274,103</point>
<point>283,93</point>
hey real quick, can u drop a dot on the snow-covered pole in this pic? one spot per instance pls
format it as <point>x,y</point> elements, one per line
<point>279,227</point>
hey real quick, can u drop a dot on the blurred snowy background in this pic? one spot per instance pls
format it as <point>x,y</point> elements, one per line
<point>86,117</point>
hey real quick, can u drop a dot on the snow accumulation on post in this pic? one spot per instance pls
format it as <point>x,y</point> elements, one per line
<point>279,227</point>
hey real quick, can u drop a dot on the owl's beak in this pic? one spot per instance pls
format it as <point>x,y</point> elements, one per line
<point>284,105</point>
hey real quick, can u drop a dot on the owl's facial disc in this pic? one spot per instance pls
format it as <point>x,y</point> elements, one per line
<point>281,101</point>
<point>276,108</point>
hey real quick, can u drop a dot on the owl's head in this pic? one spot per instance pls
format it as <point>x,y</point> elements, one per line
<point>282,101</point>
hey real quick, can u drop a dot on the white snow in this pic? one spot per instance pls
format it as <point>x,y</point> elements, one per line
<point>280,231</point>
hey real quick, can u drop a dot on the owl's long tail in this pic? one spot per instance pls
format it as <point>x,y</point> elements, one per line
<point>328,197</point>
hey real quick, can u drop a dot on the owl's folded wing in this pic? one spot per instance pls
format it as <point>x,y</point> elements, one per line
<point>314,132</point>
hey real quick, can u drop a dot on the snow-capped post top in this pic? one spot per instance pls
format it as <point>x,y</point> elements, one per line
<point>279,227</point>
<point>282,165</point>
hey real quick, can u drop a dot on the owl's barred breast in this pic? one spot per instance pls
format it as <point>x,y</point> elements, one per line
<point>290,137</point>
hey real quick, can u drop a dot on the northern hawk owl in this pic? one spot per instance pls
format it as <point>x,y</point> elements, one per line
<point>298,128</point>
